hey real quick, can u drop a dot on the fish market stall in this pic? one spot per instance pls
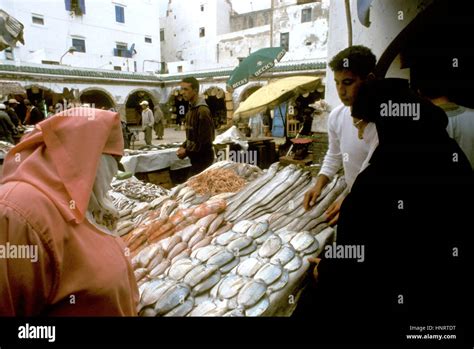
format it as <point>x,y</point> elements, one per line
<point>152,160</point>
<point>240,250</point>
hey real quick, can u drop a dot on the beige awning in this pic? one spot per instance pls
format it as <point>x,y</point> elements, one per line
<point>11,88</point>
<point>275,93</point>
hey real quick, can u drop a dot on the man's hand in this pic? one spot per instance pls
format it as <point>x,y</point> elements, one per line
<point>310,197</point>
<point>315,270</point>
<point>181,153</point>
<point>332,213</point>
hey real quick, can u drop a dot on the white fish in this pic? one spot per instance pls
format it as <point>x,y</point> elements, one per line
<point>313,248</point>
<point>294,264</point>
<point>221,258</point>
<point>239,244</point>
<point>199,273</point>
<point>169,243</point>
<point>203,308</point>
<point>148,312</point>
<point>179,269</point>
<point>207,284</point>
<point>188,232</point>
<point>242,226</point>
<point>225,238</point>
<point>259,308</point>
<point>257,229</point>
<point>230,286</point>
<point>206,252</point>
<point>280,283</point>
<point>249,267</point>
<point>260,240</point>
<point>302,241</point>
<point>251,293</point>
<point>174,296</point>
<point>269,273</point>
<point>270,247</point>
<point>229,266</point>
<point>182,309</point>
<point>180,247</point>
<point>153,291</point>
<point>284,255</point>
<point>159,269</point>
<point>286,235</point>
<point>248,250</point>
<point>235,313</point>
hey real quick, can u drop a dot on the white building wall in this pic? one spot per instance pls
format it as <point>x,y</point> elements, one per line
<point>98,27</point>
<point>384,28</point>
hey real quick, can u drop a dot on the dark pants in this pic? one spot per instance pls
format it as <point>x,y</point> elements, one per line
<point>200,161</point>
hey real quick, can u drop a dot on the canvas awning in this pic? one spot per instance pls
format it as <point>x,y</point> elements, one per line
<point>11,88</point>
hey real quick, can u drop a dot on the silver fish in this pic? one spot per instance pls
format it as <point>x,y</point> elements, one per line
<point>251,293</point>
<point>143,258</point>
<point>159,269</point>
<point>199,273</point>
<point>204,242</point>
<point>239,244</point>
<point>180,247</point>
<point>269,273</point>
<point>197,237</point>
<point>302,241</point>
<point>207,284</point>
<point>179,269</point>
<point>230,286</point>
<point>294,264</point>
<point>153,291</point>
<point>242,226</point>
<point>174,296</point>
<point>206,252</point>
<point>225,238</point>
<point>286,235</point>
<point>203,309</point>
<point>249,267</point>
<point>169,243</point>
<point>259,308</point>
<point>221,258</point>
<point>284,255</point>
<point>229,266</point>
<point>182,309</point>
<point>235,313</point>
<point>248,250</point>
<point>280,283</point>
<point>261,239</point>
<point>184,254</point>
<point>257,229</point>
<point>206,221</point>
<point>147,312</point>
<point>216,223</point>
<point>270,247</point>
<point>313,248</point>
<point>214,292</point>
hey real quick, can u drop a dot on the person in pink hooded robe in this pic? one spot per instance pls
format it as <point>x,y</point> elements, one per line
<point>53,201</point>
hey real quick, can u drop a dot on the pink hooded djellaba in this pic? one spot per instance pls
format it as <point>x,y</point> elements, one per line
<point>47,182</point>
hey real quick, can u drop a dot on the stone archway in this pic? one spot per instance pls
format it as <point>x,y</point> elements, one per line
<point>98,98</point>
<point>40,96</point>
<point>178,107</point>
<point>132,104</point>
<point>216,100</point>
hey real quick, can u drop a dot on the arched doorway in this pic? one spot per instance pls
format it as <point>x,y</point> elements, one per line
<point>178,107</point>
<point>97,98</point>
<point>41,97</point>
<point>215,99</point>
<point>133,110</point>
<point>248,91</point>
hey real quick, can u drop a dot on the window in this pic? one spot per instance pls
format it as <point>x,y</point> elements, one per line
<point>148,40</point>
<point>119,14</point>
<point>76,6</point>
<point>50,62</point>
<point>121,50</point>
<point>305,15</point>
<point>285,41</point>
<point>37,19</point>
<point>79,44</point>
<point>202,32</point>
<point>162,35</point>
<point>202,8</point>
<point>180,68</point>
<point>117,67</point>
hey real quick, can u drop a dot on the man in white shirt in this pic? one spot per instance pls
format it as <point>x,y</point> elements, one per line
<point>347,148</point>
<point>147,122</point>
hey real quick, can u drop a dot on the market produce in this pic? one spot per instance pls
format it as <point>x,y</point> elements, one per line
<point>216,181</point>
<point>135,189</point>
<point>5,147</point>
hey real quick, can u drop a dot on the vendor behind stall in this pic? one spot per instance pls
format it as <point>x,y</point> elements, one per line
<point>54,206</point>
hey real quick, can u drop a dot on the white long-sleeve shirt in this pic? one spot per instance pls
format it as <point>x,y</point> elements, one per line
<point>345,148</point>
<point>147,118</point>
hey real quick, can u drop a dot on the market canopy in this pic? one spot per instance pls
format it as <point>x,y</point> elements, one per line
<point>11,88</point>
<point>255,65</point>
<point>275,93</point>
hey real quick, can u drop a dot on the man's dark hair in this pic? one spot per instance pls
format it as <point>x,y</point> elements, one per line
<point>193,81</point>
<point>27,102</point>
<point>358,59</point>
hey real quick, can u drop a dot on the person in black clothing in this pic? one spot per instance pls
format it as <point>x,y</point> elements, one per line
<point>33,114</point>
<point>406,210</point>
<point>200,132</point>
<point>7,129</point>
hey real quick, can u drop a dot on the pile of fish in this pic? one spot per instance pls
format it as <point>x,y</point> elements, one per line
<point>240,273</point>
<point>138,190</point>
<point>5,148</point>
<point>244,261</point>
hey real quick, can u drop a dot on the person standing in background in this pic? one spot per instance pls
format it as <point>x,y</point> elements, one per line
<point>33,114</point>
<point>147,122</point>
<point>159,122</point>
<point>12,103</point>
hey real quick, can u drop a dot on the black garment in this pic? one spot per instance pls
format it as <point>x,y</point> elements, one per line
<point>411,209</point>
<point>200,134</point>
<point>13,116</point>
<point>6,128</point>
<point>36,116</point>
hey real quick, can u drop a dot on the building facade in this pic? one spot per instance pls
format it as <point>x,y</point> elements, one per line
<point>113,35</point>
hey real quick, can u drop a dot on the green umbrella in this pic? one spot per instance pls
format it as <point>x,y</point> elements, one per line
<point>255,65</point>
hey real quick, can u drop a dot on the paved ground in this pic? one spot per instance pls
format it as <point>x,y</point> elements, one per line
<point>172,135</point>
